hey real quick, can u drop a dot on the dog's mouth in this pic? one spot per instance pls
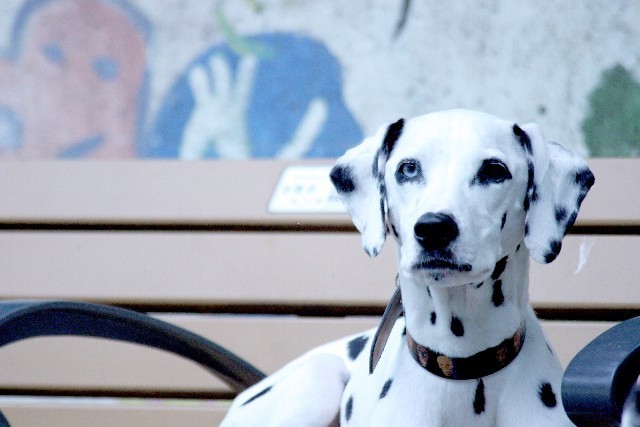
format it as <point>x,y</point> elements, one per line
<point>438,263</point>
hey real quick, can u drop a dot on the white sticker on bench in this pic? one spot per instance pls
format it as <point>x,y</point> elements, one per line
<point>305,189</point>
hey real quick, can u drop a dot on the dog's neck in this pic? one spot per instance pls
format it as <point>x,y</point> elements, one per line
<point>463,320</point>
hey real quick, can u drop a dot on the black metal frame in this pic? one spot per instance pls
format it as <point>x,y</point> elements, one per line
<point>26,319</point>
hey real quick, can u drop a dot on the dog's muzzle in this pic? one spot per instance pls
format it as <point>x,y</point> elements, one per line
<point>434,232</point>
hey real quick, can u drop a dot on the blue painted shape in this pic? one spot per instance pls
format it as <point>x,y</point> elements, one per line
<point>106,68</point>
<point>82,148</point>
<point>10,130</point>
<point>297,70</point>
<point>53,53</point>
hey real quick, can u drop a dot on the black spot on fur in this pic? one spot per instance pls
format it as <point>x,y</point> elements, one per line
<point>429,292</point>
<point>348,409</point>
<point>532,192</point>
<point>479,285</point>
<point>374,166</point>
<point>383,209</point>
<point>524,139</point>
<point>570,222</point>
<point>356,346</point>
<point>262,393</point>
<point>479,399</point>
<point>404,331</point>
<point>526,229</point>
<point>547,396</point>
<point>499,268</point>
<point>395,231</point>
<point>585,179</point>
<point>497,297</point>
<point>456,327</point>
<point>549,347</point>
<point>554,249</point>
<point>504,221</point>
<point>517,248</point>
<point>433,317</point>
<point>393,133</point>
<point>561,214</point>
<point>385,388</point>
<point>342,179</point>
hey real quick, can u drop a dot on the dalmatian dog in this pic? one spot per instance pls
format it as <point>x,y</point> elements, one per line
<point>468,198</point>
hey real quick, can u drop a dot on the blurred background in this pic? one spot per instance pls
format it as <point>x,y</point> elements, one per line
<point>116,79</point>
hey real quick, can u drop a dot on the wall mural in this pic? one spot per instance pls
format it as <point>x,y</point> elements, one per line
<point>116,79</point>
<point>285,101</point>
<point>614,115</point>
<point>73,82</point>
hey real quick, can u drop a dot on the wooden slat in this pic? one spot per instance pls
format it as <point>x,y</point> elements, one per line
<point>101,413</point>
<point>568,337</point>
<point>147,192</point>
<point>269,342</point>
<point>221,192</point>
<point>194,268</point>
<point>276,268</point>
<point>597,272</point>
<point>613,200</point>
<point>83,363</point>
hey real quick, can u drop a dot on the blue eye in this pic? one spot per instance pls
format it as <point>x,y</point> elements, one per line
<point>408,170</point>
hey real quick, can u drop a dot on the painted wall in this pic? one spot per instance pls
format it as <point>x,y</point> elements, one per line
<point>306,78</point>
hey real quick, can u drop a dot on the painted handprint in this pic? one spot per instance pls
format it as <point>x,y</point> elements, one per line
<point>285,103</point>
<point>218,119</point>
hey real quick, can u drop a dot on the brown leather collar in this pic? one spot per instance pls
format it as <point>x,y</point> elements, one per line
<point>481,364</point>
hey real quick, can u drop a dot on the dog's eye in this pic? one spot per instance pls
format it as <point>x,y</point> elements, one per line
<point>492,171</point>
<point>408,170</point>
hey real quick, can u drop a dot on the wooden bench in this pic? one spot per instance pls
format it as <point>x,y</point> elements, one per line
<point>195,244</point>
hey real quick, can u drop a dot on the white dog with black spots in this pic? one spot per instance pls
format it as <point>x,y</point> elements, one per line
<point>468,198</point>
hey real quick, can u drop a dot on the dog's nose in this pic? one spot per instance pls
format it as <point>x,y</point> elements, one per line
<point>435,230</point>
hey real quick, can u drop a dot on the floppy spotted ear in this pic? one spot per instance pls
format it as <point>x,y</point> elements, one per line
<point>558,183</point>
<point>358,176</point>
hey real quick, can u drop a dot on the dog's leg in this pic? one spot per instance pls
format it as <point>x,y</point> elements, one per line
<point>306,392</point>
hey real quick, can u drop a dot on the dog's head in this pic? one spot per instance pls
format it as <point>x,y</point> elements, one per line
<point>459,190</point>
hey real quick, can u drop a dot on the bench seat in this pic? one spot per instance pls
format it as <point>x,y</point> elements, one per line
<point>194,244</point>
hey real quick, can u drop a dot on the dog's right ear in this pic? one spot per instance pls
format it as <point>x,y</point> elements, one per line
<point>358,176</point>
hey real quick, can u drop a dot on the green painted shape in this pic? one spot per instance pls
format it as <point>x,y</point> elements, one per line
<point>612,128</point>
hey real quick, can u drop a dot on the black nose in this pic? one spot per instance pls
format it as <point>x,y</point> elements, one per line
<point>435,230</point>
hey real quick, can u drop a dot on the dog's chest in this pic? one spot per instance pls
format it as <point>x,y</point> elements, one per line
<point>401,393</point>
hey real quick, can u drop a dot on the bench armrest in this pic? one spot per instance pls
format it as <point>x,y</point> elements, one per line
<point>25,319</point>
<point>599,378</point>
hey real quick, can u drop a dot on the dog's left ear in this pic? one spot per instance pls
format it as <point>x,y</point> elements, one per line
<point>358,176</point>
<point>558,183</point>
